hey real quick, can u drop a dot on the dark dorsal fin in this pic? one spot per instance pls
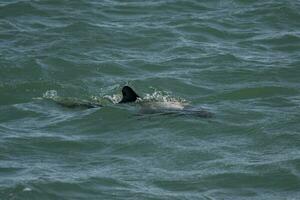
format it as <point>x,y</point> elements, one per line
<point>128,95</point>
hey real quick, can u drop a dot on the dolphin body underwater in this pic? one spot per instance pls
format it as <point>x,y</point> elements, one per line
<point>130,96</point>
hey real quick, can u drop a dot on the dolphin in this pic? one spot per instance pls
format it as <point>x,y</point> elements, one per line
<point>163,108</point>
<point>130,96</point>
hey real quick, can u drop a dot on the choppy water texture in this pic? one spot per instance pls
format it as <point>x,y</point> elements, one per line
<point>239,59</point>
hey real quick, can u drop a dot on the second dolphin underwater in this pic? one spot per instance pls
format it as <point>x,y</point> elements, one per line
<point>157,107</point>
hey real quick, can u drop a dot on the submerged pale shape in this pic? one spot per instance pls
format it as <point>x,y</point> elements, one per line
<point>164,105</point>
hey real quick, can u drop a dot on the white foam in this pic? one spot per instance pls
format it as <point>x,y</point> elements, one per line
<point>159,96</point>
<point>162,100</point>
<point>27,189</point>
<point>113,98</point>
<point>50,94</point>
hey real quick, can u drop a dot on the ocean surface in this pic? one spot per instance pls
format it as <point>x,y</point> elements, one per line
<point>236,59</point>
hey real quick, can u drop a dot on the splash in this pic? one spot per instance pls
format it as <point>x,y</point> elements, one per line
<point>162,100</point>
<point>115,98</point>
<point>50,94</point>
<point>162,96</point>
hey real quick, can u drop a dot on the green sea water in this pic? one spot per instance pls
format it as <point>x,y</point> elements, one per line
<point>237,59</point>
